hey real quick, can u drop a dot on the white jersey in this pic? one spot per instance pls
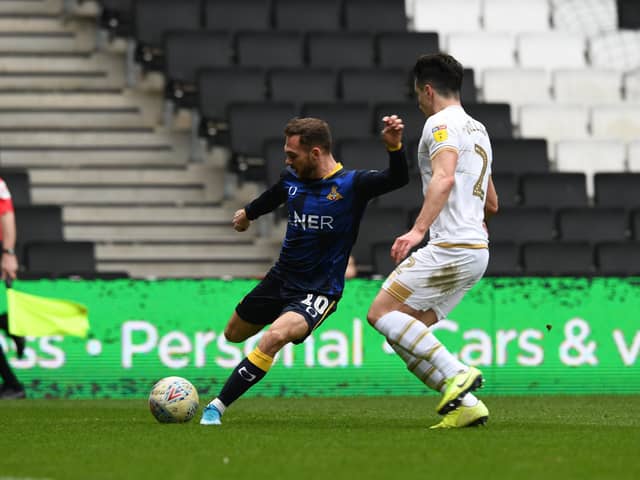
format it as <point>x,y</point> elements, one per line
<point>460,221</point>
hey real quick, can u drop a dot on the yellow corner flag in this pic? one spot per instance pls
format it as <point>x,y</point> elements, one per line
<point>30,315</point>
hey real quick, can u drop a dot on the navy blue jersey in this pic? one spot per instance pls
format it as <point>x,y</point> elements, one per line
<point>323,221</point>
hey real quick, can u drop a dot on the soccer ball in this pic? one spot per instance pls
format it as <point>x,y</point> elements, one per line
<point>173,400</point>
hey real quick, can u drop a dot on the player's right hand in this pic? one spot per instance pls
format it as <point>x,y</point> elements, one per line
<point>403,245</point>
<point>240,220</point>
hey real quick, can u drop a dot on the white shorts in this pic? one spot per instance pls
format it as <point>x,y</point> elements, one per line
<point>437,278</point>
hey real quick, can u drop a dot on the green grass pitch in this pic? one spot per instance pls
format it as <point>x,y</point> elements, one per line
<point>576,437</point>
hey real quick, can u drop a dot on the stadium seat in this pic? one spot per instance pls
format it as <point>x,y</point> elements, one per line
<point>377,225</point>
<point>589,17</point>
<point>590,156</point>
<point>634,156</point>
<point>116,16</point>
<point>218,88</point>
<point>617,190</point>
<point>231,15</point>
<point>496,117</point>
<point>516,17</point>
<point>60,258</point>
<point>508,189</point>
<point>593,225</point>
<point>468,92</point>
<point>383,264</point>
<point>616,50</point>
<point>303,85</point>
<point>375,15</point>
<point>504,260</point>
<point>37,223</point>
<point>152,19</point>
<point>568,50</point>
<point>519,156</point>
<point>628,14</point>
<point>616,122</point>
<point>554,190</point>
<point>618,258</point>
<point>17,180</point>
<point>270,49</point>
<point>558,259</point>
<point>522,224</point>
<point>458,16</point>
<point>401,49</point>
<point>412,117</point>
<point>274,159</point>
<point>307,15</point>
<point>346,120</point>
<point>587,86</point>
<point>516,86</point>
<point>406,198</point>
<point>554,122</point>
<point>341,50</point>
<point>362,154</point>
<point>635,224</point>
<point>367,84</point>
<point>482,51</point>
<point>187,52</point>
<point>251,124</point>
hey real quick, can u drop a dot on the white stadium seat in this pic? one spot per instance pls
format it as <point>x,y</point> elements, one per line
<point>587,86</point>
<point>482,51</point>
<point>620,122</point>
<point>619,50</point>
<point>634,156</point>
<point>551,50</point>
<point>589,17</point>
<point>516,16</point>
<point>446,17</point>
<point>516,86</point>
<point>632,86</point>
<point>555,123</point>
<point>591,156</point>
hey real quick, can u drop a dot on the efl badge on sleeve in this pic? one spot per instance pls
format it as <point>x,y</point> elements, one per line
<point>440,133</point>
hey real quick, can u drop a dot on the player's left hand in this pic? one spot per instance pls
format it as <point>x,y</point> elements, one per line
<point>240,220</point>
<point>392,131</point>
<point>403,245</point>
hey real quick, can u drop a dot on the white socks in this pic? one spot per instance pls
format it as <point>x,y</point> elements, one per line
<point>218,404</point>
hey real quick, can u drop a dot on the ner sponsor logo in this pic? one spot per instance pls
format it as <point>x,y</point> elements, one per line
<point>312,222</point>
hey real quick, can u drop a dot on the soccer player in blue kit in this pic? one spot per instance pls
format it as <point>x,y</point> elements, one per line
<point>325,204</point>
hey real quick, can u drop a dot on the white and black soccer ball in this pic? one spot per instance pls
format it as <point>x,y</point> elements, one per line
<point>173,400</point>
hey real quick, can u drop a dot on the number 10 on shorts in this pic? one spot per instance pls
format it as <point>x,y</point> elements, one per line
<point>316,304</point>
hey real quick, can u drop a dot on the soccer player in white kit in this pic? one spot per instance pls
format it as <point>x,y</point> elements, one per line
<point>454,158</point>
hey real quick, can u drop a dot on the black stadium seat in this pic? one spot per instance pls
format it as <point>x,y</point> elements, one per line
<point>522,225</point>
<point>308,15</point>
<point>496,117</point>
<point>593,224</point>
<point>367,84</point>
<point>37,223</point>
<point>274,158</point>
<point>116,16</point>
<point>362,154</point>
<point>378,225</point>
<point>558,259</point>
<point>408,197</point>
<point>555,190</point>
<point>234,15</point>
<point>617,189</point>
<point>401,49</point>
<point>635,224</point>
<point>628,14</point>
<point>346,120</point>
<point>303,85</point>
<point>519,156</point>
<point>412,117</point>
<point>507,187</point>
<point>468,92</point>
<point>618,258</point>
<point>341,50</point>
<point>375,15</point>
<point>504,259</point>
<point>383,264</point>
<point>19,186</point>
<point>270,49</point>
<point>60,258</point>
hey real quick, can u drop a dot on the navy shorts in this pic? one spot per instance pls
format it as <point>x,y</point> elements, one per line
<point>270,299</point>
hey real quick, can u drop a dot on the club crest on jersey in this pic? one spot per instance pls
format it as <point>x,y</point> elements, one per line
<point>334,194</point>
<point>440,133</point>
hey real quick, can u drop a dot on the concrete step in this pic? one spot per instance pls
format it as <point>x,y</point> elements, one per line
<point>134,194</point>
<point>147,214</point>
<point>71,118</point>
<point>93,157</point>
<point>57,99</point>
<point>183,269</point>
<point>55,41</point>
<point>149,233</point>
<point>177,251</point>
<point>120,177</point>
<point>34,22</point>
<point>49,61</point>
<point>30,7</point>
<point>51,81</point>
<point>77,139</point>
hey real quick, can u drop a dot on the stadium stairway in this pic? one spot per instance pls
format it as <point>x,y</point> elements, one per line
<point>97,149</point>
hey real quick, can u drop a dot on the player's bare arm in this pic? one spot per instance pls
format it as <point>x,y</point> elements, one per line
<point>442,181</point>
<point>491,205</point>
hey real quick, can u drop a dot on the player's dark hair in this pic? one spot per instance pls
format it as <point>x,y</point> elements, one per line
<point>441,71</point>
<point>313,132</point>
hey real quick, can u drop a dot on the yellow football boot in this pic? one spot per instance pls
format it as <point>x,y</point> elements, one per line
<point>458,387</point>
<point>465,417</point>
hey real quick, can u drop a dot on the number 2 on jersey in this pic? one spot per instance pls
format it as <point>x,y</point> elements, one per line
<point>477,187</point>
